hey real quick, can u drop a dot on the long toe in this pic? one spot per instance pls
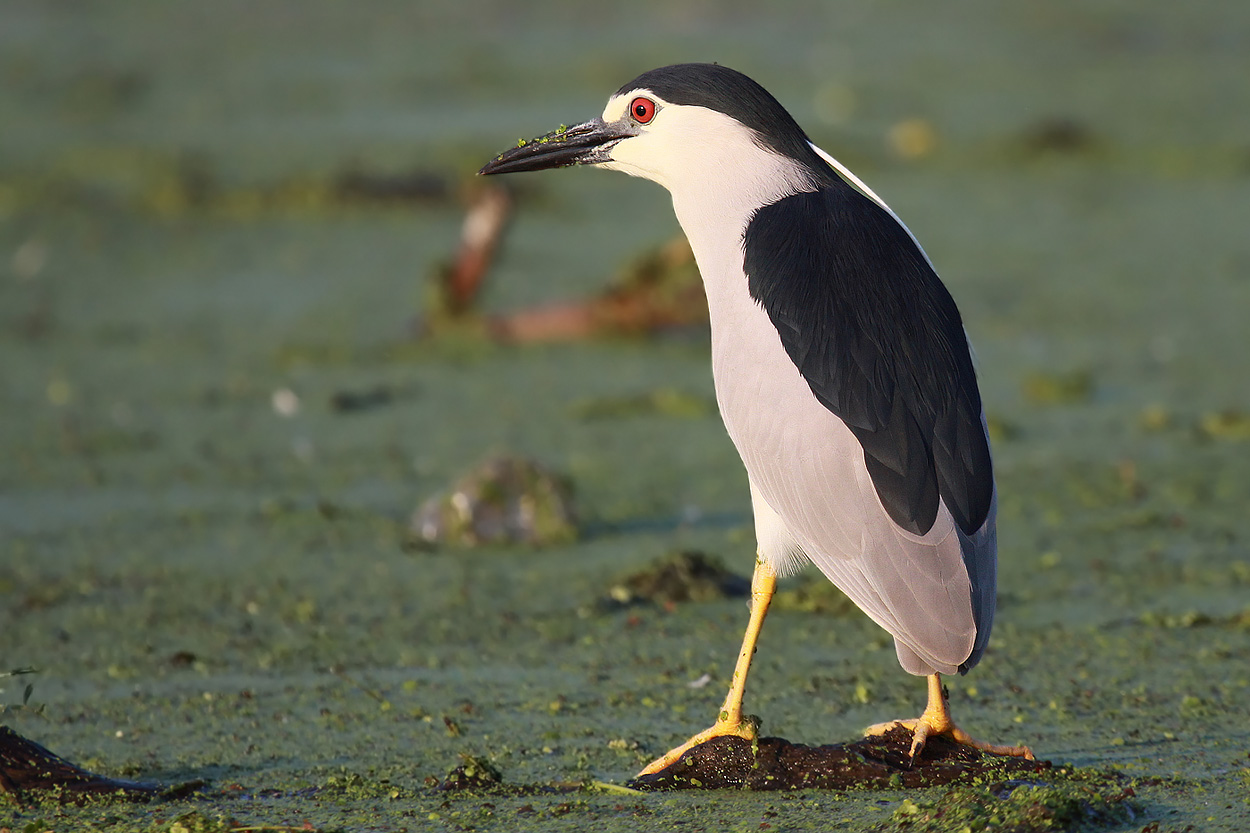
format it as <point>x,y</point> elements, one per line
<point>960,736</point>
<point>923,729</point>
<point>747,729</point>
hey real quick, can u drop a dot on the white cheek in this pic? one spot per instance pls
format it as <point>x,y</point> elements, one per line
<point>638,156</point>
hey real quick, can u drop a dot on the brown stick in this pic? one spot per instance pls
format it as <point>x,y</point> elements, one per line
<point>660,289</point>
<point>483,226</point>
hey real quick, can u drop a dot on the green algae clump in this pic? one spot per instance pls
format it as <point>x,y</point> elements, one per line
<point>680,577</point>
<point>504,500</point>
<point>473,773</point>
<point>1077,802</point>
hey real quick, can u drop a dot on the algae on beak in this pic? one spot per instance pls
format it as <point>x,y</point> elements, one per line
<point>589,143</point>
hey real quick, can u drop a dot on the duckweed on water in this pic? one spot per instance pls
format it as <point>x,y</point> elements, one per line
<point>1074,801</point>
<point>197,822</point>
<point>1058,388</point>
<point>350,787</point>
<point>1225,425</point>
<point>175,247</point>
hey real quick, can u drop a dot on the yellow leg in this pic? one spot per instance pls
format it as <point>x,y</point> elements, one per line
<point>731,721</point>
<point>936,720</point>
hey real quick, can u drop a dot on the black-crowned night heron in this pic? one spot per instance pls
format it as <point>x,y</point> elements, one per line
<point>842,370</point>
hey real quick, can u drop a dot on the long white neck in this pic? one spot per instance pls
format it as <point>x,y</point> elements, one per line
<point>719,174</point>
<point>715,206</point>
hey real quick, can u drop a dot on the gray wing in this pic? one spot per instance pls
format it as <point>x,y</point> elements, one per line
<point>814,498</point>
<point>880,342</point>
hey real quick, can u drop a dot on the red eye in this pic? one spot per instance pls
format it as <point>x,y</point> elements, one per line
<point>642,109</point>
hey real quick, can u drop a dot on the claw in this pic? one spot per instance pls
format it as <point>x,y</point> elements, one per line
<point>747,728</point>
<point>731,720</point>
<point>936,720</point>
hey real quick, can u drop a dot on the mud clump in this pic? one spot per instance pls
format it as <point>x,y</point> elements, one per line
<point>687,576</point>
<point>877,762</point>
<point>505,500</point>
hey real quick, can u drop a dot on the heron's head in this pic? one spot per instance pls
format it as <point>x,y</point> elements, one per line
<point>687,127</point>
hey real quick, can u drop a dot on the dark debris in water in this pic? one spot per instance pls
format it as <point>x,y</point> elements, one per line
<point>179,184</point>
<point>680,577</point>
<point>1058,134</point>
<point>355,401</point>
<point>392,188</point>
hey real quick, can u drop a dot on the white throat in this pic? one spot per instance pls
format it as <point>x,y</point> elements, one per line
<point>718,175</point>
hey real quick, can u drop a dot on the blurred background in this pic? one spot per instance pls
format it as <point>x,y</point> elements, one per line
<point>228,381</point>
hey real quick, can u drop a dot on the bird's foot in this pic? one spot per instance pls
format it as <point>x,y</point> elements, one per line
<point>747,727</point>
<point>926,726</point>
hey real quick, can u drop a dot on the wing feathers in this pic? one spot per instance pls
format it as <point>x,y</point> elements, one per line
<point>880,343</point>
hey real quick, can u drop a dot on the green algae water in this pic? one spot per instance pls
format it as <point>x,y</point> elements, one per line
<point>206,558</point>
